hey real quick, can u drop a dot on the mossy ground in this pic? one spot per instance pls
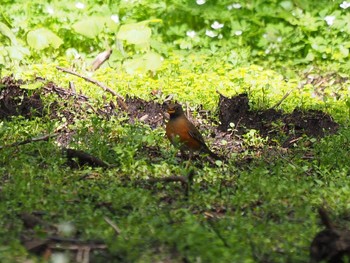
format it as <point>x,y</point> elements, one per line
<point>259,205</point>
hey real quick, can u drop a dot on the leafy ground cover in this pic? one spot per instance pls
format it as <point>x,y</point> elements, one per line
<point>87,175</point>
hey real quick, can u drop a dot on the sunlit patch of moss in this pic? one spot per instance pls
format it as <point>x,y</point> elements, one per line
<point>195,79</point>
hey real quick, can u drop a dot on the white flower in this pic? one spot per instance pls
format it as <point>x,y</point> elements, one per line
<point>80,5</point>
<point>279,39</point>
<point>200,2</point>
<point>238,32</point>
<point>50,10</point>
<point>220,36</point>
<point>345,5</point>
<point>115,18</point>
<point>217,25</point>
<point>210,33</point>
<point>329,20</point>
<point>191,34</point>
<point>234,6</point>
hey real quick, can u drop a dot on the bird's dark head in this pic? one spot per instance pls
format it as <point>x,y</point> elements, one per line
<point>174,110</point>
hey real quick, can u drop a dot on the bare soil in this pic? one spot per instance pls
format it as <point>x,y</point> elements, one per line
<point>15,101</point>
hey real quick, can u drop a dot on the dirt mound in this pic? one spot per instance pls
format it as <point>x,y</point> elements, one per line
<point>272,122</point>
<point>67,103</point>
<point>148,112</point>
<point>15,101</point>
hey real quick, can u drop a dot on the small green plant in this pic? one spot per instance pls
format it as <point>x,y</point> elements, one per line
<point>232,128</point>
<point>347,103</point>
<point>253,139</point>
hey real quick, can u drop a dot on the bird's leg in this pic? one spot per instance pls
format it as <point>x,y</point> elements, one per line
<point>189,160</point>
<point>183,154</point>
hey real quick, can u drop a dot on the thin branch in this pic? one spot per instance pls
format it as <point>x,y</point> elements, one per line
<point>169,179</point>
<point>283,98</point>
<point>100,59</point>
<point>217,232</point>
<point>30,140</point>
<point>85,158</point>
<point>72,87</point>
<point>113,225</point>
<point>97,83</point>
<point>75,246</point>
<point>100,84</point>
<point>91,243</point>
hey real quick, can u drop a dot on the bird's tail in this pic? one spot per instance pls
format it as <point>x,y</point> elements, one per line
<point>213,155</point>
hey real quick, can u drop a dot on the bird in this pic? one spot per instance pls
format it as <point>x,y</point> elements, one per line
<point>183,134</point>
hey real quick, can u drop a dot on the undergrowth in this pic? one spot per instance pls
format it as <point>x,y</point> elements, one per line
<point>259,205</point>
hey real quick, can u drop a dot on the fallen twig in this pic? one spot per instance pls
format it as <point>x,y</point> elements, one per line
<point>185,181</point>
<point>85,158</point>
<point>100,59</point>
<point>72,87</point>
<point>37,139</point>
<point>32,221</point>
<point>45,246</point>
<point>331,244</point>
<point>53,243</point>
<point>113,225</point>
<point>92,243</point>
<point>169,179</point>
<point>97,83</point>
<point>283,98</point>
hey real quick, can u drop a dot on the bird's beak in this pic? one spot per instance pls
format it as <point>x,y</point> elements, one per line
<point>171,111</point>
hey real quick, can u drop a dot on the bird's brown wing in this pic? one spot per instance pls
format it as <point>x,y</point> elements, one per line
<point>195,134</point>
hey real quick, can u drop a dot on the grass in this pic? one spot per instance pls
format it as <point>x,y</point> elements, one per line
<point>261,211</point>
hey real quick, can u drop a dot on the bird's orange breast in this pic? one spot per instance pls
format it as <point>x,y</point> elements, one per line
<point>178,132</point>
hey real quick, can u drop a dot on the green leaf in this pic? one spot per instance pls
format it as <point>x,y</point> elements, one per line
<point>347,103</point>
<point>136,33</point>
<point>287,5</point>
<point>134,66</point>
<point>319,182</point>
<point>310,56</point>
<point>43,38</point>
<point>6,31</point>
<point>3,54</point>
<point>344,51</point>
<point>148,62</point>
<point>32,86</point>
<point>17,52</point>
<point>153,61</point>
<point>90,27</point>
